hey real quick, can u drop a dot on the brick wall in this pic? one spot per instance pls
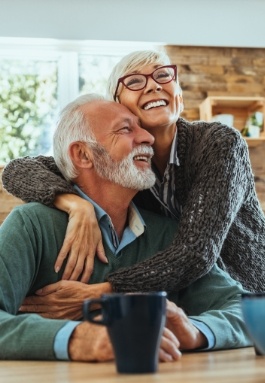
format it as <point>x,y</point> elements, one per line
<point>208,71</point>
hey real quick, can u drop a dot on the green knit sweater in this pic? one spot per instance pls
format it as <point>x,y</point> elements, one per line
<point>30,239</point>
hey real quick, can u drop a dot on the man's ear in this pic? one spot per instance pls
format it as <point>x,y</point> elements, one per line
<point>81,155</point>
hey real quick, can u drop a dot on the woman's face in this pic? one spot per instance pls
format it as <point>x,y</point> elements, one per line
<point>157,105</point>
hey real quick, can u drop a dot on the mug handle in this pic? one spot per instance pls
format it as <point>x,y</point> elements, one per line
<point>91,314</point>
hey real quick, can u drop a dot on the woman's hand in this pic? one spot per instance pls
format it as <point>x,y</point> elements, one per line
<point>82,240</point>
<point>63,299</point>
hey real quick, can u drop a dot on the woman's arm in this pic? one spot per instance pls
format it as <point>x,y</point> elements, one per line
<point>82,238</point>
<point>222,184</point>
<point>39,179</point>
<point>35,179</point>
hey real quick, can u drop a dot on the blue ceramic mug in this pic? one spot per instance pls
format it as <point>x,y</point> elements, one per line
<point>135,324</point>
<point>253,307</point>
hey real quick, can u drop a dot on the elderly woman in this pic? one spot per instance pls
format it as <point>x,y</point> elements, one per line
<point>203,179</point>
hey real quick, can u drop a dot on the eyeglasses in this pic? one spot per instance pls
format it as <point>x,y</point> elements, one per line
<point>161,75</point>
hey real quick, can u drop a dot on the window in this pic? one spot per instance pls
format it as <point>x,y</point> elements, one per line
<point>94,71</point>
<point>38,77</point>
<point>28,100</point>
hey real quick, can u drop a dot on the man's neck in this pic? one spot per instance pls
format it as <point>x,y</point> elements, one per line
<point>119,218</point>
<point>113,199</point>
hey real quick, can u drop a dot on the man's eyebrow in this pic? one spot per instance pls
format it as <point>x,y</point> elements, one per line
<point>125,120</point>
<point>129,121</point>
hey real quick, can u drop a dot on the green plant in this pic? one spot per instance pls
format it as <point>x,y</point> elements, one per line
<point>27,102</point>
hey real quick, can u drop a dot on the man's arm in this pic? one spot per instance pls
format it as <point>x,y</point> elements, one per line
<point>27,252</point>
<point>26,336</point>
<point>214,300</point>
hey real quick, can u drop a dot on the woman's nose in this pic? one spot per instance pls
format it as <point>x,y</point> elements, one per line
<point>152,85</point>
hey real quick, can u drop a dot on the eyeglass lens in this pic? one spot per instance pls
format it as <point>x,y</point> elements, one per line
<point>138,81</point>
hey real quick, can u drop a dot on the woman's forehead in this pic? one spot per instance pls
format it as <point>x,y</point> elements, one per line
<point>146,67</point>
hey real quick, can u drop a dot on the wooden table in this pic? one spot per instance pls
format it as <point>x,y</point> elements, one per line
<point>231,366</point>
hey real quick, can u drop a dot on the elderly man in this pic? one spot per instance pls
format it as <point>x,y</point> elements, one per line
<point>101,148</point>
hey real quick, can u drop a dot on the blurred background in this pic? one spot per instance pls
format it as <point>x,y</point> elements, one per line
<point>54,50</point>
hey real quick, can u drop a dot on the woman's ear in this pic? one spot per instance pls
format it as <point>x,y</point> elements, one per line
<point>181,104</point>
<point>80,155</point>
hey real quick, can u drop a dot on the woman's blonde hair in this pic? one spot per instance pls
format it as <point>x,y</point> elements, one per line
<point>132,63</point>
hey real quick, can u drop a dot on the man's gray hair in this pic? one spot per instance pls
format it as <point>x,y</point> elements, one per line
<point>131,63</point>
<point>72,126</point>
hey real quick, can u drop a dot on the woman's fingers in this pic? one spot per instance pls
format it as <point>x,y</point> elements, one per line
<point>101,252</point>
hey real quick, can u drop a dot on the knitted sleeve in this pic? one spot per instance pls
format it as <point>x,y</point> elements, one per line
<point>222,177</point>
<point>35,179</point>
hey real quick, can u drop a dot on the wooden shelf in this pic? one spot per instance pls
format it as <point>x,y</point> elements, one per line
<point>240,107</point>
<point>252,142</point>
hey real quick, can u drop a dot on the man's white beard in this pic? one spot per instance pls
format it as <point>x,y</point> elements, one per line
<point>124,173</point>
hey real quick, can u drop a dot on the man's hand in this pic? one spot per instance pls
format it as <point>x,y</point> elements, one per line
<point>90,343</point>
<point>189,336</point>
<point>169,347</point>
<point>63,299</point>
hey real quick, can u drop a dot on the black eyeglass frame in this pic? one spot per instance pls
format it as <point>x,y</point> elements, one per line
<point>121,79</point>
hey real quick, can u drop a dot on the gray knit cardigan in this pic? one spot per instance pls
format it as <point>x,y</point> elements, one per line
<point>221,220</point>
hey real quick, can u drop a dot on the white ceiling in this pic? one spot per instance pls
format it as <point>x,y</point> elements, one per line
<point>239,23</point>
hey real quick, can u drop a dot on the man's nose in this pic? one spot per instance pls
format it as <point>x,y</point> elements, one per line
<point>143,136</point>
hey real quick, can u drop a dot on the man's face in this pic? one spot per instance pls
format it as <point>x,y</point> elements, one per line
<point>123,154</point>
<point>124,173</point>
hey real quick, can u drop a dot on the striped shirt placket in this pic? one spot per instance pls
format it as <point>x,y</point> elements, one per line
<point>163,190</point>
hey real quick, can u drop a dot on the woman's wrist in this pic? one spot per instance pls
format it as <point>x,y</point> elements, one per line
<point>70,203</point>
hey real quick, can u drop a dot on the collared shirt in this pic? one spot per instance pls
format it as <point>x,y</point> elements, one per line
<point>136,225</point>
<point>164,188</point>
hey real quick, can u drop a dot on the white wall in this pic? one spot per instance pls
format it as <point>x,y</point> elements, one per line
<point>239,23</point>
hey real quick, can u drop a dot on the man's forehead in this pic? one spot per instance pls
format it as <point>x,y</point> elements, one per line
<point>106,116</point>
<point>109,110</point>
<point>106,106</point>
